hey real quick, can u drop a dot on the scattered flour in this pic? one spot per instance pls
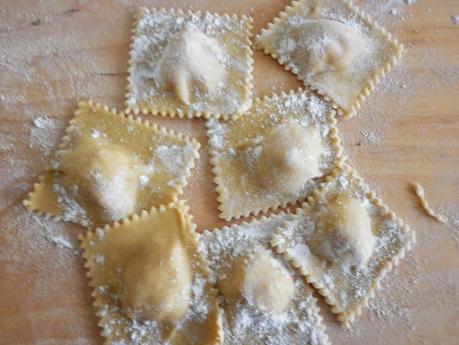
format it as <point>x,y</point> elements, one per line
<point>143,180</point>
<point>385,11</point>
<point>174,159</point>
<point>29,240</point>
<point>368,137</point>
<point>44,135</point>
<point>63,242</point>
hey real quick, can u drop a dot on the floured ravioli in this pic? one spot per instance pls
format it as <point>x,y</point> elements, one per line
<point>324,46</point>
<point>274,155</point>
<point>261,281</point>
<point>151,286</point>
<point>332,48</point>
<point>344,232</point>
<point>291,154</point>
<point>190,64</point>
<point>105,185</point>
<point>265,302</point>
<point>110,166</point>
<point>344,240</point>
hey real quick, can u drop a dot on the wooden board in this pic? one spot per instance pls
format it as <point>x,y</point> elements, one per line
<point>53,53</point>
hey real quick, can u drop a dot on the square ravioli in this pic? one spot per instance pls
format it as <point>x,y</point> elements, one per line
<point>275,154</point>
<point>110,166</point>
<point>190,64</point>
<point>265,302</point>
<point>150,285</point>
<point>332,48</point>
<point>345,240</point>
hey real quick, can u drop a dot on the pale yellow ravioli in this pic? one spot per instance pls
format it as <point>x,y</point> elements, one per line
<point>110,166</point>
<point>344,240</point>
<point>190,64</point>
<point>274,155</point>
<point>150,284</point>
<point>265,301</point>
<point>332,47</point>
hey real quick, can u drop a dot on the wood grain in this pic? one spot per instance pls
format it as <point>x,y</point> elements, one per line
<point>53,53</point>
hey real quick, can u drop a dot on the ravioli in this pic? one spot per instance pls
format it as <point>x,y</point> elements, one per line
<point>344,232</point>
<point>150,284</point>
<point>261,281</point>
<point>189,64</point>
<point>275,155</point>
<point>290,156</point>
<point>110,166</point>
<point>264,301</point>
<point>157,283</point>
<point>106,185</point>
<point>325,46</point>
<point>191,61</point>
<point>344,241</point>
<point>333,48</point>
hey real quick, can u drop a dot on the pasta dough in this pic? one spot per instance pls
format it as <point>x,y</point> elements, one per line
<point>344,232</point>
<point>290,157</point>
<point>261,281</point>
<point>191,63</point>
<point>157,284</point>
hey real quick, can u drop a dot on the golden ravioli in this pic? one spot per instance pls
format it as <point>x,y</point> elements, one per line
<point>110,166</point>
<point>190,64</point>
<point>332,47</point>
<point>345,240</point>
<point>265,302</point>
<point>275,154</point>
<point>149,282</point>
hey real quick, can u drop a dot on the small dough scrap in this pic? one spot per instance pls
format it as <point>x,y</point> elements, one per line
<point>328,45</point>
<point>157,284</point>
<point>191,61</point>
<point>261,281</point>
<point>344,231</point>
<point>290,157</point>
<point>105,182</point>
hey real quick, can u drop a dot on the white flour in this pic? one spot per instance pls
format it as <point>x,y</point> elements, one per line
<point>44,135</point>
<point>388,11</point>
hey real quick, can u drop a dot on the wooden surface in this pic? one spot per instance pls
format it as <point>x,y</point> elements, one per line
<point>53,53</point>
